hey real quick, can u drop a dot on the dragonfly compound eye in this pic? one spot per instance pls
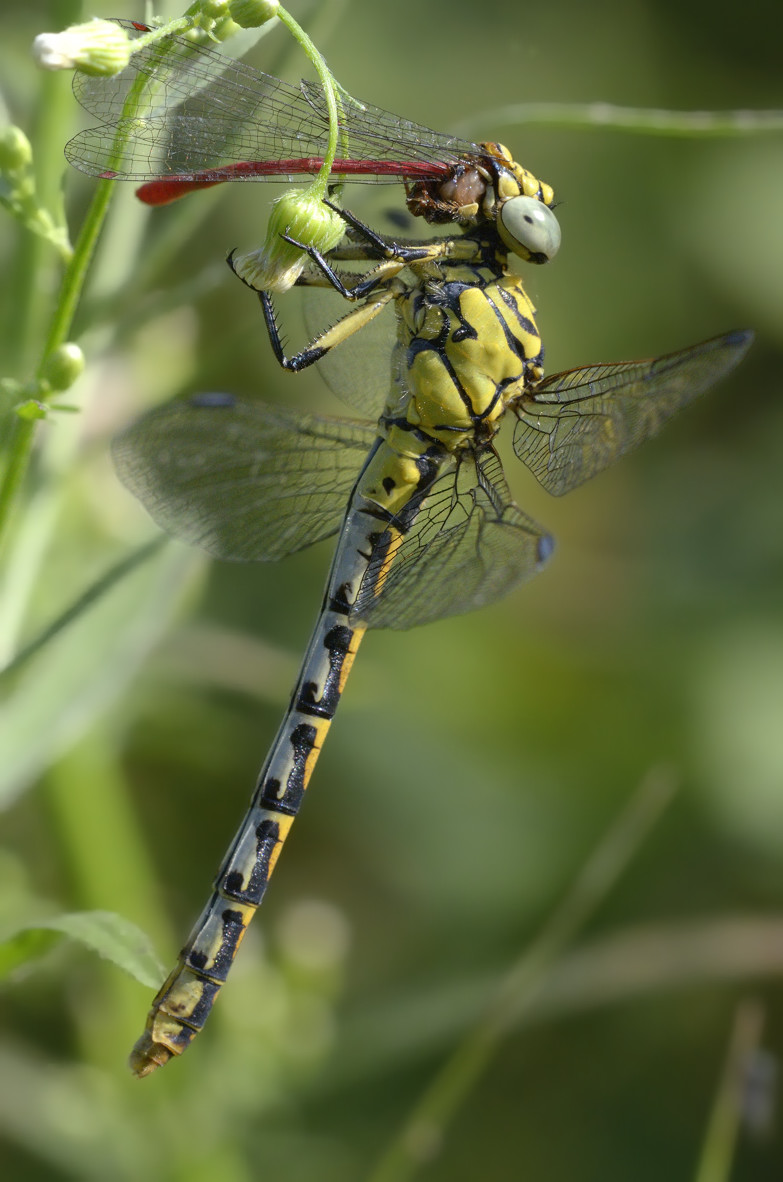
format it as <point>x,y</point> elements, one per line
<point>529,229</point>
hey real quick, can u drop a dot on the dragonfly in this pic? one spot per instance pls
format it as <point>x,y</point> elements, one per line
<point>425,522</point>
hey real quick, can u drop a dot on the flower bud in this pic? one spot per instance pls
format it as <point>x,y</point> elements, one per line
<point>97,47</point>
<point>251,13</point>
<point>302,215</point>
<point>214,9</point>
<point>16,154</point>
<point>63,366</point>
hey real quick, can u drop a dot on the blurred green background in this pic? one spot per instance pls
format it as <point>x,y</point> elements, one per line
<point>475,763</point>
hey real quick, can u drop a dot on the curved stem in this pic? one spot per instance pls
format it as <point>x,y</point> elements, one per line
<point>637,120</point>
<point>330,94</point>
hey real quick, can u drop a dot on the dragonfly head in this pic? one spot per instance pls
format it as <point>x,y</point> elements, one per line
<point>489,186</point>
<point>520,206</point>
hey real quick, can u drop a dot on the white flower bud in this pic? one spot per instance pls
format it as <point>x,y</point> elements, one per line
<point>97,47</point>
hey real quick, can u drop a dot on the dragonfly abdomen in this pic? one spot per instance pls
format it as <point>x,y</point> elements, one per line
<point>387,485</point>
<point>182,1006</point>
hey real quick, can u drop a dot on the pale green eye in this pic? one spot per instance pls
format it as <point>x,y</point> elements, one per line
<point>529,229</point>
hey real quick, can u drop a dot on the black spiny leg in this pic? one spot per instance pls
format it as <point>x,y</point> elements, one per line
<point>386,250</point>
<point>339,332</point>
<point>300,360</point>
<point>361,289</point>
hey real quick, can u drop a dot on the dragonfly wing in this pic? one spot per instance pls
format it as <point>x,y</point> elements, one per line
<point>244,481</point>
<point>179,108</point>
<point>468,546</point>
<point>575,424</point>
<point>356,370</point>
<point>192,113</point>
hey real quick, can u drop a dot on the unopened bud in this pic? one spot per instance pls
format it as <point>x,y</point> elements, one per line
<point>16,153</point>
<point>63,366</point>
<point>97,47</point>
<point>303,216</point>
<point>214,9</point>
<point>251,13</point>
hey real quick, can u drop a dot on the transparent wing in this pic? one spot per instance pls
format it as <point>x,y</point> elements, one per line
<point>357,370</point>
<point>244,481</point>
<point>576,423</point>
<point>468,546</point>
<point>185,110</point>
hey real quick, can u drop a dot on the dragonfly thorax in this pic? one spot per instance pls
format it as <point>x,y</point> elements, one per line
<point>467,347</point>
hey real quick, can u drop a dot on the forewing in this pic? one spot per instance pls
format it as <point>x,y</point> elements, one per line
<point>179,109</point>
<point>575,424</point>
<point>468,546</point>
<point>244,481</point>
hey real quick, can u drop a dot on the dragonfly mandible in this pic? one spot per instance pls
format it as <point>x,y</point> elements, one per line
<point>425,521</point>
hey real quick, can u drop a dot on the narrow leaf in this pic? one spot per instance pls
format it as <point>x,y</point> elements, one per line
<point>110,935</point>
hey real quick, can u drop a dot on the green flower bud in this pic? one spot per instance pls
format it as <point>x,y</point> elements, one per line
<point>213,9</point>
<point>16,153</point>
<point>251,13</point>
<point>63,366</point>
<point>97,47</point>
<point>302,215</point>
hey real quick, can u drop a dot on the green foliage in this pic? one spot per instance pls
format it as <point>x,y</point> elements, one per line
<point>103,932</point>
<point>412,958</point>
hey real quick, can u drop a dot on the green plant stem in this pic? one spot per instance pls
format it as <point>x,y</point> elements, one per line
<point>720,1141</point>
<point>80,605</point>
<point>27,309</point>
<point>27,285</point>
<point>639,120</point>
<point>330,94</point>
<point>76,272</point>
<point>180,24</point>
<point>21,444</point>
<point>19,450</point>
<point>424,1130</point>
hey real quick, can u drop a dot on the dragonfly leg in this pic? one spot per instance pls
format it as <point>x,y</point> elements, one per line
<point>353,322</point>
<point>384,248</point>
<point>365,285</point>
<point>440,248</point>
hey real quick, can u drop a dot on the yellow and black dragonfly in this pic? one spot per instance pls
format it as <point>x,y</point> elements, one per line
<point>426,526</point>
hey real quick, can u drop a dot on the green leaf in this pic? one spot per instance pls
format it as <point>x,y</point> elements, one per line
<point>70,676</point>
<point>110,935</point>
